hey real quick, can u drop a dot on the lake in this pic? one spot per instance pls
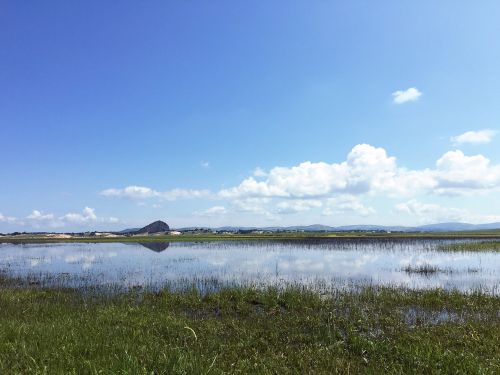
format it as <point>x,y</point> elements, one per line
<point>333,263</point>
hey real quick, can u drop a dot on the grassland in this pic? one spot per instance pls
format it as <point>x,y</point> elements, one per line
<point>275,236</point>
<point>247,331</point>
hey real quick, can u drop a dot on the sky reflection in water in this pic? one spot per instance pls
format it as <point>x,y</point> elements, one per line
<point>340,263</point>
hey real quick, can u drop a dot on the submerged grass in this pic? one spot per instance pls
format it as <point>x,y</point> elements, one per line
<point>427,269</point>
<point>245,330</point>
<point>472,246</point>
<point>423,269</point>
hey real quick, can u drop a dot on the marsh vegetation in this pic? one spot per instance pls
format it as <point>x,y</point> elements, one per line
<point>246,330</point>
<point>336,263</point>
<point>493,245</point>
<point>387,306</point>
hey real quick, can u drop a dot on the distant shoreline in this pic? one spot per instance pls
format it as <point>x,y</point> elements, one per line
<point>252,237</point>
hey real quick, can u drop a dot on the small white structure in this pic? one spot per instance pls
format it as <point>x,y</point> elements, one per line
<point>105,234</point>
<point>175,233</point>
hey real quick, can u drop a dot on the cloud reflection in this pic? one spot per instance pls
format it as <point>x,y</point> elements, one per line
<point>376,262</point>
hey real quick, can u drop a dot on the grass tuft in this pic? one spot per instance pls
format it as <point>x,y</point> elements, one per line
<point>422,269</point>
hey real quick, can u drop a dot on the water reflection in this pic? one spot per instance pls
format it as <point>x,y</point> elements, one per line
<point>336,263</point>
<point>155,246</point>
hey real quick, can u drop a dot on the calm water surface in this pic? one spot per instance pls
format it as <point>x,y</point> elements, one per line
<point>335,263</point>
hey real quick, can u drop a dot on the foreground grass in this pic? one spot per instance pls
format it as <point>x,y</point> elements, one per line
<point>243,330</point>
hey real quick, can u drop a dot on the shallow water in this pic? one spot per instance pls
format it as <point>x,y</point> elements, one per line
<point>322,264</point>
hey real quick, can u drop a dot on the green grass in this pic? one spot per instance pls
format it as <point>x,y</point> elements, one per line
<point>472,246</point>
<point>300,236</point>
<point>246,331</point>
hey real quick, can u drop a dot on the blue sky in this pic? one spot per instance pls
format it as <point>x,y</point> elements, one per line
<point>206,113</point>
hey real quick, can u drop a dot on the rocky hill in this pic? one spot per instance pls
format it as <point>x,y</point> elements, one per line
<point>156,227</point>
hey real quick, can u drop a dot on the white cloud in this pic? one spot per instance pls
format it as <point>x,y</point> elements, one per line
<point>259,172</point>
<point>300,205</point>
<point>142,192</point>
<point>430,212</point>
<point>88,214</point>
<point>433,213</point>
<point>252,205</point>
<point>410,95</point>
<point>457,173</point>
<point>176,194</point>
<point>39,216</point>
<point>38,219</point>
<point>134,192</point>
<point>474,137</point>
<point>213,211</point>
<point>347,204</point>
<point>205,164</point>
<point>263,207</point>
<point>258,206</point>
<point>367,169</point>
<point>7,219</point>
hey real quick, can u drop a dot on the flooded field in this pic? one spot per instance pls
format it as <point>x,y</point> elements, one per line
<point>331,264</point>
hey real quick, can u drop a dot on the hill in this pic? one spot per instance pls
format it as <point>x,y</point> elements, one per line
<point>160,226</point>
<point>155,227</point>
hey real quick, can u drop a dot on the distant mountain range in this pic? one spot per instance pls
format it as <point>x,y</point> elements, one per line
<point>439,227</point>
<point>160,226</point>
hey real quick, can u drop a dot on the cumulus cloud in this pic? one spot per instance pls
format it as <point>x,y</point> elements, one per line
<point>38,219</point>
<point>474,137</point>
<point>432,213</point>
<point>410,95</point>
<point>370,170</point>
<point>88,214</point>
<point>259,172</point>
<point>339,187</point>
<point>366,169</point>
<point>300,205</point>
<point>259,206</point>
<point>347,204</point>
<point>7,219</point>
<point>457,173</point>
<point>213,211</point>
<point>134,192</point>
<point>142,192</point>
<point>251,205</point>
<point>39,216</point>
